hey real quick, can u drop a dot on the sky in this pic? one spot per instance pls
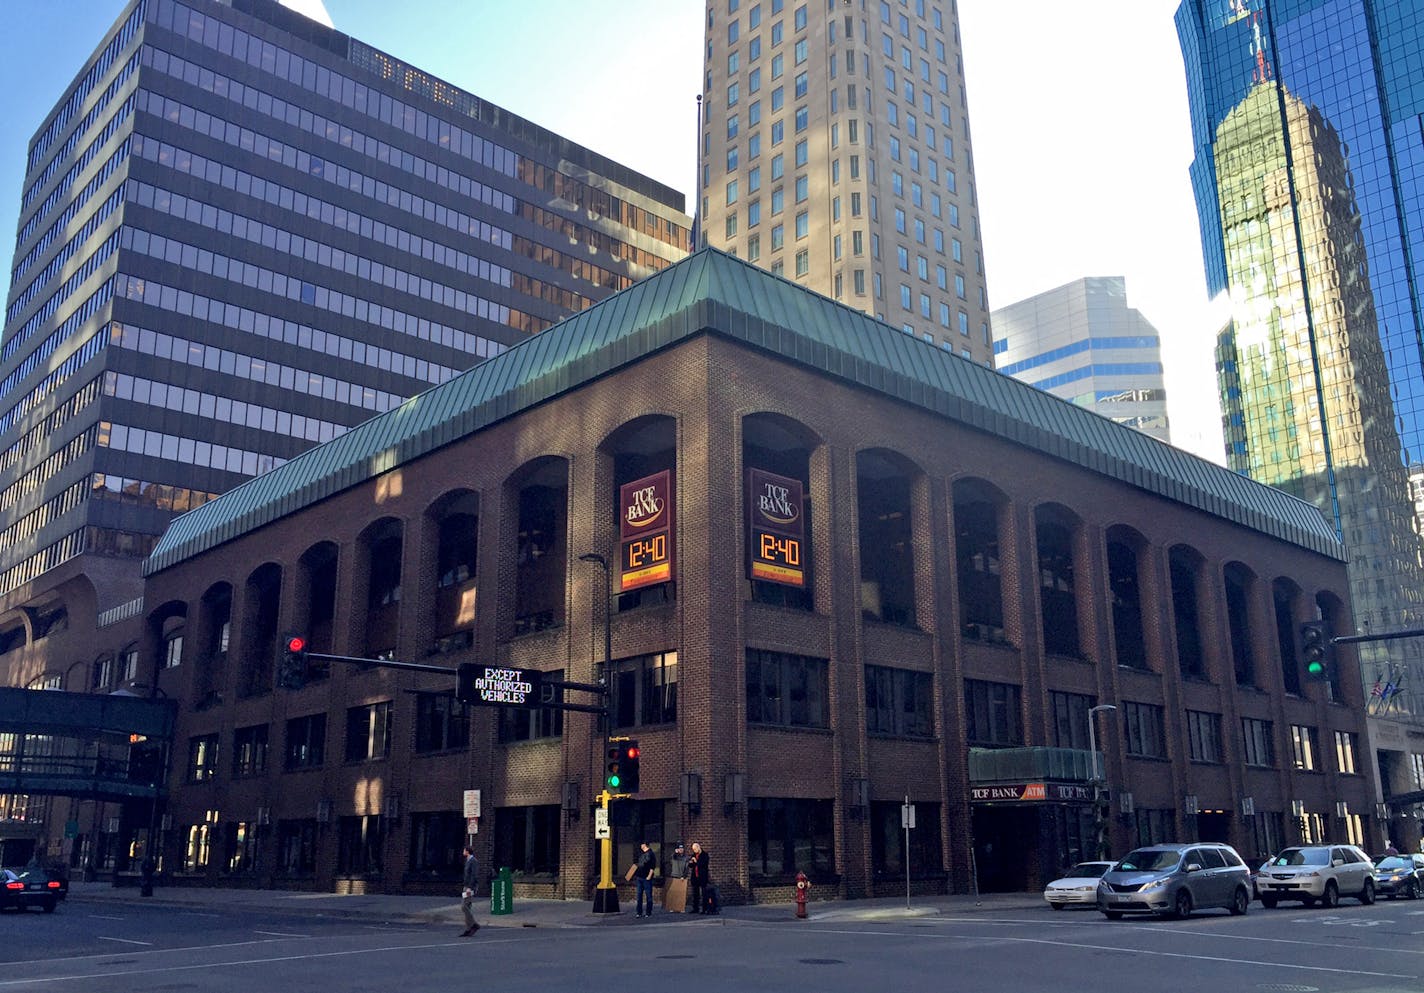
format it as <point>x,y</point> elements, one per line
<point>1079,122</point>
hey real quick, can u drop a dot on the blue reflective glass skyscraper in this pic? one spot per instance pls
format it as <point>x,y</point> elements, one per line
<point>1306,120</point>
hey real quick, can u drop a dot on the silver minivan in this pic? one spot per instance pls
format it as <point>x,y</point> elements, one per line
<point>1172,880</point>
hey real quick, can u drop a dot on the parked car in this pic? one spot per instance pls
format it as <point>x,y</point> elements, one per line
<point>1399,875</point>
<point>25,888</point>
<point>1079,885</point>
<point>1323,873</point>
<point>1172,880</point>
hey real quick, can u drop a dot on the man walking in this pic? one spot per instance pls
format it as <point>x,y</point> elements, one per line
<point>467,897</point>
<point>643,877</point>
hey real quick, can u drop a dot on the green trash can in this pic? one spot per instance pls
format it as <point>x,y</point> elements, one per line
<point>502,892</point>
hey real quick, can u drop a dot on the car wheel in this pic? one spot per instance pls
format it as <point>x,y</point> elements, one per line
<point>1056,906</point>
<point>1331,899</point>
<point>1182,906</point>
<point>1269,902</point>
<point>1367,895</point>
<point>1240,902</point>
<point>1411,892</point>
<point>1113,915</point>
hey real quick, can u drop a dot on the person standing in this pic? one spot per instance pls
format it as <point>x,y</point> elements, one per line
<point>643,871</point>
<point>467,896</point>
<point>697,877</point>
<point>675,890</point>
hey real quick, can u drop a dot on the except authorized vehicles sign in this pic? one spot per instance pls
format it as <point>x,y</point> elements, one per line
<point>498,687</point>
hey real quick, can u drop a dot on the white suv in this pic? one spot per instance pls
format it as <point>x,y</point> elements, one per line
<point>1317,872</point>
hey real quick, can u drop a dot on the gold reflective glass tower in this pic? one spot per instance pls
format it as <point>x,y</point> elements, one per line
<point>835,152</point>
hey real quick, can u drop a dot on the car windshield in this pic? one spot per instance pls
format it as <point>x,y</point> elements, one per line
<point>1150,860</point>
<point>1393,862</point>
<point>1303,856</point>
<point>1086,869</point>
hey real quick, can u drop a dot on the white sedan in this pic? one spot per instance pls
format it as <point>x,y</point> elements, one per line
<point>1079,886</point>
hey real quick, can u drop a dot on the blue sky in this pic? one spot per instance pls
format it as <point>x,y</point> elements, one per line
<point>1079,119</point>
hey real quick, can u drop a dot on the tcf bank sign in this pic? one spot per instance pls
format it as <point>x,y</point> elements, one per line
<point>776,529</point>
<point>645,515</point>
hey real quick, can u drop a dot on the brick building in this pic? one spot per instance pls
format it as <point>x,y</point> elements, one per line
<point>844,568</point>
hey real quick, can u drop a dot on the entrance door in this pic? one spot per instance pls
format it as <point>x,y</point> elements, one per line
<point>1006,848</point>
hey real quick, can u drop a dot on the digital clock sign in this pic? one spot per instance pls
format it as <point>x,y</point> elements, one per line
<point>645,514</point>
<point>776,529</point>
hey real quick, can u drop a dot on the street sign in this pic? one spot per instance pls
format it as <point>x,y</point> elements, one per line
<point>472,803</point>
<point>498,686</point>
<point>600,824</point>
<point>907,816</point>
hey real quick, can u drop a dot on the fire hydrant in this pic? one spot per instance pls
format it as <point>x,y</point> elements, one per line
<point>803,887</point>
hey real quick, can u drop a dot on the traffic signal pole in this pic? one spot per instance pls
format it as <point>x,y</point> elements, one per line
<point>605,897</point>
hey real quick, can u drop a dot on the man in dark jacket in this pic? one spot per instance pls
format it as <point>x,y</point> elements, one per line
<point>467,896</point>
<point>697,877</point>
<point>643,871</point>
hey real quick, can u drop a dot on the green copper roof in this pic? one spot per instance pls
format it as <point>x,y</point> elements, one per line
<point>714,292</point>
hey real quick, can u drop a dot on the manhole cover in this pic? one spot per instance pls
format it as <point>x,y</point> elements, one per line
<point>677,956</point>
<point>821,961</point>
<point>1287,988</point>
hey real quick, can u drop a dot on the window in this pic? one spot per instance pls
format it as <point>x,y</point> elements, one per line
<point>436,838</point>
<point>803,262</point>
<point>1070,717</point>
<point>754,244</point>
<point>753,214</point>
<point>778,236</point>
<point>802,49</point>
<point>803,189</point>
<point>801,85</point>
<point>518,724</point>
<point>799,18</point>
<point>733,92</point>
<point>888,841</point>
<point>993,714</point>
<point>786,836</point>
<point>1204,736</point>
<point>803,117</point>
<point>643,690</point>
<point>249,751</point>
<point>1345,751</point>
<point>801,159</point>
<point>754,113</point>
<point>1305,748</point>
<point>1143,730</point>
<point>731,192</point>
<point>786,690</point>
<point>368,732</point>
<point>296,846</point>
<point>172,652</point>
<point>778,200</point>
<point>778,132</point>
<point>527,838</point>
<point>202,758</point>
<point>754,179</point>
<point>1260,749</point>
<point>441,723</point>
<point>731,126</point>
<point>358,846</point>
<point>899,702</point>
<point>306,742</point>
<point>777,167</point>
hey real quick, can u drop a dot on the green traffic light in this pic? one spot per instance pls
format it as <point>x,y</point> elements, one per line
<point>613,780</point>
<point>1315,668</point>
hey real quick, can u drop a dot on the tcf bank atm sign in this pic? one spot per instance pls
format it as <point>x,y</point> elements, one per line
<point>645,514</point>
<point>776,528</point>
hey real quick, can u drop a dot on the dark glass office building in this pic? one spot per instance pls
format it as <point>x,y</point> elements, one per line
<point>1309,162</point>
<point>242,233</point>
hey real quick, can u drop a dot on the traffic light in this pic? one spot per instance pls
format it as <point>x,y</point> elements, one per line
<point>292,672</point>
<point>621,772</point>
<point>1315,651</point>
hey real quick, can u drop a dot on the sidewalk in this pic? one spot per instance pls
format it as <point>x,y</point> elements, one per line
<point>444,911</point>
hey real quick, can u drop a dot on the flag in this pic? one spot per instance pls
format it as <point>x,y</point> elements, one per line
<point>1377,692</point>
<point>1389,691</point>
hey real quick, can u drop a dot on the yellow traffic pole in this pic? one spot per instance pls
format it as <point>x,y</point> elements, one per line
<point>605,898</point>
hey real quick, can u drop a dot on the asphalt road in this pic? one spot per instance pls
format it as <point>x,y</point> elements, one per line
<point>114,949</point>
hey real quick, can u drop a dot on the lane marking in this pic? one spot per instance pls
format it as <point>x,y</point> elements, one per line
<point>106,917</point>
<point>1124,951</point>
<point>126,941</point>
<point>269,961</point>
<point>281,934</point>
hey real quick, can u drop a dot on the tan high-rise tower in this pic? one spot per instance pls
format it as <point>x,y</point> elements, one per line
<point>836,153</point>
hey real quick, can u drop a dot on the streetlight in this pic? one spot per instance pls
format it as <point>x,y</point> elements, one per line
<point>1100,813</point>
<point>605,895</point>
<point>1097,774</point>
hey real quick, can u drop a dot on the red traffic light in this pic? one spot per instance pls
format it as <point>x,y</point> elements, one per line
<point>632,751</point>
<point>296,643</point>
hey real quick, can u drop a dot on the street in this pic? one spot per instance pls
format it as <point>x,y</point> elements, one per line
<point>132,947</point>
